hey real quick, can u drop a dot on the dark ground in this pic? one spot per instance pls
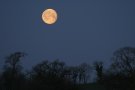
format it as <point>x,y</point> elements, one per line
<point>91,86</point>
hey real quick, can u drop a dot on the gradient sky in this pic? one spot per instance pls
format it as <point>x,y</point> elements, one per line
<point>86,30</point>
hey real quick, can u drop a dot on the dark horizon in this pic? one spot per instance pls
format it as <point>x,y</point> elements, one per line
<point>57,75</point>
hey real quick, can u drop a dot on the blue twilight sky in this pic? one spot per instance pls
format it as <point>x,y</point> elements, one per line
<point>86,30</point>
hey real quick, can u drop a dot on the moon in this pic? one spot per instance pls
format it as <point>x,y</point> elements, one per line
<point>49,16</point>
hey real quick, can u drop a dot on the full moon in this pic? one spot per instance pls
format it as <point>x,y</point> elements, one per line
<point>49,16</point>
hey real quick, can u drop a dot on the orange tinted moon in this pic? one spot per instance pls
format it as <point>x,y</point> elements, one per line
<point>49,16</point>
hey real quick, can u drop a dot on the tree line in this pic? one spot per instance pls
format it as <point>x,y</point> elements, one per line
<point>120,75</point>
<point>56,75</point>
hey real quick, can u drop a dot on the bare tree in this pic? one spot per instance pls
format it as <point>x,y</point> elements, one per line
<point>124,60</point>
<point>13,61</point>
<point>99,70</point>
<point>121,74</point>
<point>12,74</point>
<point>84,72</point>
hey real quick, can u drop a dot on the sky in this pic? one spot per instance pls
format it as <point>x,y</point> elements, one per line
<point>86,30</point>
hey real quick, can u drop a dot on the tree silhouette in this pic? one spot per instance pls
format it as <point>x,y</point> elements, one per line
<point>50,76</point>
<point>56,75</point>
<point>121,75</point>
<point>84,72</point>
<point>12,76</point>
<point>99,71</point>
<point>124,60</point>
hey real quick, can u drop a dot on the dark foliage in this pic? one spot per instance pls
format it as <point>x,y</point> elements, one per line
<point>99,71</point>
<point>57,75</point>
<point>121,75</point>
<point>44,76</point>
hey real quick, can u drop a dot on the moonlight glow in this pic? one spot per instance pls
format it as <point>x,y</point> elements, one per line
<point>49,16</point>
